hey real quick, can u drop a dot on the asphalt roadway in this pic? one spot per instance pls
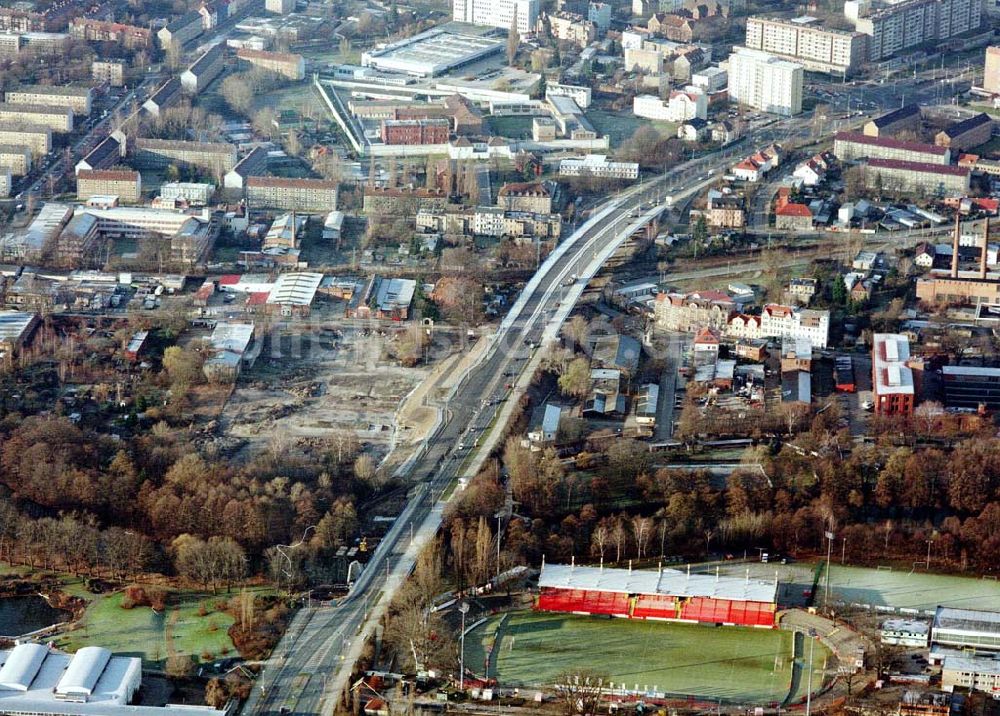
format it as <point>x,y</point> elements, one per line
<point>309,668</point>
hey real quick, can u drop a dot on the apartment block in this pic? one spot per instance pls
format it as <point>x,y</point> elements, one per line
<point>498,13</point>
<point>126,185</point>
<point>279,7</point>
<point>110,71</point>
<point>169,94</point>
<point>681,106</point>
<point>306,195</point>
<point>16,157</point>
<point>130,37</point>
<point>991,73</point>
<point>813,46</point>
<point>36,137</point>
<point>894,27</point>
<point>765,82</point>
<point>205,69</point>
<point>181,31</point>
<point>571,27</point>
<point>905,118</point>
<point>849,146</point>
<point>215,157</point>
<point>58,119</point>
<point>402,201</point>
<point>77,99</point>
<point>5,182</point>
<point>966,134</point>
<point>285,64</point>
<point>916,178</point>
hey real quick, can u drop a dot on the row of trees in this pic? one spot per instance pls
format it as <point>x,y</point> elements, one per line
<point>159,486</point>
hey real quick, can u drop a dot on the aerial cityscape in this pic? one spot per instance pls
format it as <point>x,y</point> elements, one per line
<point>499,357</point>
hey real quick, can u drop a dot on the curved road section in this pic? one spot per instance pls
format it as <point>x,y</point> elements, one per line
<point>311,666</point>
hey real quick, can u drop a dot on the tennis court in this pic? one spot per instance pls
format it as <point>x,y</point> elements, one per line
<point>735,663</point>
<point>905,590</point>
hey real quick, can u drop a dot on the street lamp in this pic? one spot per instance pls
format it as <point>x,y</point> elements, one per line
<point>809,677</point>
<point>464,609</point>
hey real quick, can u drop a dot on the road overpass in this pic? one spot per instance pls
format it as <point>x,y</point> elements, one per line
<point>311,666</point>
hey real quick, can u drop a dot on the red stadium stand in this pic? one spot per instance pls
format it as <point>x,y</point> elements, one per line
<point>666,594</point>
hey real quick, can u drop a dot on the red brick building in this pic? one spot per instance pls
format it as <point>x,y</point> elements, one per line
<point>415,131</point>
<point>892,378</point>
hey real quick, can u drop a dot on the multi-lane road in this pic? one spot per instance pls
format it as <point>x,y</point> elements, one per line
<point>310,667</point>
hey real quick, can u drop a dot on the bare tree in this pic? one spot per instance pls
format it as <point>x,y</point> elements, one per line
<point>580,692</point>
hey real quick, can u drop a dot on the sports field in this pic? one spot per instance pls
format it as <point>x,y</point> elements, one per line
<point>901,589</point>
<point>744,664</point>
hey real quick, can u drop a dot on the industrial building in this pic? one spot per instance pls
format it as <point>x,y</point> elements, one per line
<point>806,41</point>
<point>765,82</point>
<point>316,196</point>
<point>383,298</point>
<point>293,293</point>
<point>432,53</point>
<point>965,629</point>
<point>962,287</point>
<point>37,679</point>
<point>58,119</point>
<point>77,99</point>
<point>667,594</point>
<point>229,345</point>
<point>892,379</point>
<point>204,70</point>
<point>16,329</point>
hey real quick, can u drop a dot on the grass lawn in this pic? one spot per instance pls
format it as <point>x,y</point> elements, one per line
<point>919,590</point>
<point>534,648</point>
<point>142,632</point>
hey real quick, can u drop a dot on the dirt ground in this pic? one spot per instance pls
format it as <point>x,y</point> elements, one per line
<point>313,385</point>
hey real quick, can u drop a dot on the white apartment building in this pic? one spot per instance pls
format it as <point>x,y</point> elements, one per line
<point>765,82</point>
<point>598,166</point>
<point>893,27</point>
<point>784,322</point>
<point>498,13</point>
<point>599,13</point>
<point>681,106</point>
<point>711,79</point>
<point>280,7</point>
<point>778,321</point>
<point>805,41</point>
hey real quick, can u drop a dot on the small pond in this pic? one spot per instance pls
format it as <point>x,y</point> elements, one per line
<point>20,615</point>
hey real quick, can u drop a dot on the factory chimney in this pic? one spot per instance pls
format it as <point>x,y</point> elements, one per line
<point>986,246</point>
<point>954,249</point>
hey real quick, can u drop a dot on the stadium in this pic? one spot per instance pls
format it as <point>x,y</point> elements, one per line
<point>667,594</point>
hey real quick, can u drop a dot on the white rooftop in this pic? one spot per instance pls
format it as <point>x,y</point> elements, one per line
<point>972,664</point>
<point>37,680</point>
<point>911,626</point>
<point>13,324</point>
<point>295,289</point>
<point>232,337</point>
<point>672,582</point>
<point>890,352</point>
